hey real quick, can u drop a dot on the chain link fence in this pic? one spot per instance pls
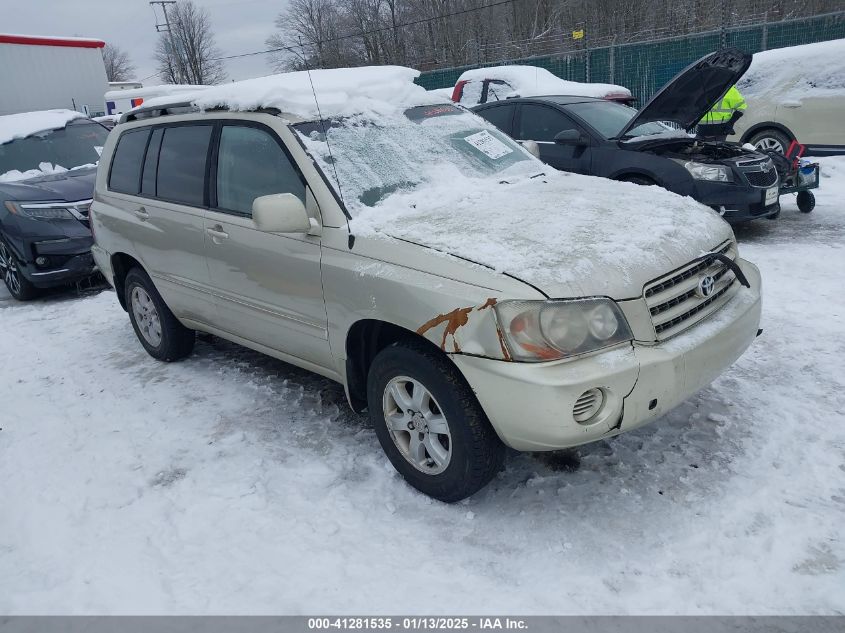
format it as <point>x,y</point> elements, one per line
<point>645,66</point>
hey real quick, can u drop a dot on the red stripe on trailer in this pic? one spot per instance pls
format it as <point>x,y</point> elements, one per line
<point>37,40</point>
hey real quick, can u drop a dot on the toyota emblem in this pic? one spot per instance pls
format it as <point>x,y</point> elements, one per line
<point>705,286</point>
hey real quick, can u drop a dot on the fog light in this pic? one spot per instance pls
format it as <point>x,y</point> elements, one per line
<point>42,261</point>
<point>588,405</point>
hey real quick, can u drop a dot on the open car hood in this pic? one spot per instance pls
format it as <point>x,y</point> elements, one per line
<point>693,91</point>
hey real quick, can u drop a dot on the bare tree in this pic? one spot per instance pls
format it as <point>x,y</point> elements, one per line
<point>118,65</point>
<point>187,54</point>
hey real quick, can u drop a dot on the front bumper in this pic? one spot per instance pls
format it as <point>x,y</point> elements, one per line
<point>530,404</point>
<point>68,260</point>
<point>739,202</point>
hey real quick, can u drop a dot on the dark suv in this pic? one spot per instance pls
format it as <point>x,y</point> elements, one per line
<point>601,138</point>
<point>45,238</point>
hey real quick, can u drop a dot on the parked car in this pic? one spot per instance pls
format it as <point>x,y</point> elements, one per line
<point>45,239</point>
<point>498,83</point>
<point>795,93</point>
<point>415,254</point>
<point>600,138</point>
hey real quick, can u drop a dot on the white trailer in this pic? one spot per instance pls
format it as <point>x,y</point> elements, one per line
<point>42,73</point>
<point>123,100</point>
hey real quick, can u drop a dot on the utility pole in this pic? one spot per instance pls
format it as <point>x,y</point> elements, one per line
<point>165,28</point>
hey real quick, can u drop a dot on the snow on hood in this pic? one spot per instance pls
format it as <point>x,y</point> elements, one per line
<point>797,71</point>
<point>25,124</point>
<point>44,169</point>
<point>567,234</point>
<point>340,92</point>
<point>532,81</point>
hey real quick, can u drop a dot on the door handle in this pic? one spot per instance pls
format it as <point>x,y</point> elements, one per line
<point>217,233</point>
<point>141,214</point>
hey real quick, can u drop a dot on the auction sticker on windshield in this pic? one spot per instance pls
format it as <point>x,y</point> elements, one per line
<point>488,144</point>
<point>771,196</point>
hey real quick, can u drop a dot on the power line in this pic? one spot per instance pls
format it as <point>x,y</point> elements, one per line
<point>371,32</point>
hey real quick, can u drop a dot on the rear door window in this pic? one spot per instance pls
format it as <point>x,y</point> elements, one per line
<point>542,123</point>
<point>181,164</point>
<point>500,116</point>
<point>148,181</point>
<point>251,163</point>
<point>125,174</point>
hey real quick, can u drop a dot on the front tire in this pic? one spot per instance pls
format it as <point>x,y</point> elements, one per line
<point>638,180</point>
<point>18,285</point>
<point>430,424</point>
<point>156,327</point>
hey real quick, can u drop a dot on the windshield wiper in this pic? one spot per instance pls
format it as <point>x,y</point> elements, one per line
<point>542,173</point>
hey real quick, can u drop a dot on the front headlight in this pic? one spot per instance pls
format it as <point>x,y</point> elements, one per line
<point>41,210</point>
<point>703,171</point>
<point>550,330</point>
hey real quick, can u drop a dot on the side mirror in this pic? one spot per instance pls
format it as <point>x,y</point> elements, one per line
<point>571,137</point>
<point>280,213</point>
<point>531,147</point>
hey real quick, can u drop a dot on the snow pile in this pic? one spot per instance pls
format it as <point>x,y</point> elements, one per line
<point>531,81</point>
<point>25,124</point>
<point>443,93</point>
<point>162,90</point>
<point>797,71</point>
<point>44,169</point>
<point>340,92</point>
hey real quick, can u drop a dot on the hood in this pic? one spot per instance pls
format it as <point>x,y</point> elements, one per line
<point>566,234</point>
<point>68,186</point>
<point>693,91</point>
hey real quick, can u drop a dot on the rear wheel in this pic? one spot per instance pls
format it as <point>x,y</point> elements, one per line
<point>430,424</point>
<point>18,285</point>
<point>156,327</point>
<point>806,201</point>
<point>770,140</point>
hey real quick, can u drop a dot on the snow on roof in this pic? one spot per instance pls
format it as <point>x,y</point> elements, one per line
<point>162,90</point>
<point>50,40</point>
<point>25,124</point>
<point>340,92</point>
<point>532,81</point>
<point>797,71</point>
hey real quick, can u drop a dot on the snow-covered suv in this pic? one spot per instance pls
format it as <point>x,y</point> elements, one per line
<point>459,289</point>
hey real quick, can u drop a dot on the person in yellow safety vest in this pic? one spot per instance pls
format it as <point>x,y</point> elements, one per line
<point>718,122</point>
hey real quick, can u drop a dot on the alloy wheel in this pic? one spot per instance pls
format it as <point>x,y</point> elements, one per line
<point>9,270</point>
<point>146,316</point>
<point>417,425</point>
<point>769,143</point>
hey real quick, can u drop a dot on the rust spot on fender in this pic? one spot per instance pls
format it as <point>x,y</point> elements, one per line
<point>454,320</point>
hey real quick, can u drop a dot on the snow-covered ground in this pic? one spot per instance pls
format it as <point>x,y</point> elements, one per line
<point>234,483</point>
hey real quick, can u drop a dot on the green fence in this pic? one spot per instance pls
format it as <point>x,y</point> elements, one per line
<point>643,67</point>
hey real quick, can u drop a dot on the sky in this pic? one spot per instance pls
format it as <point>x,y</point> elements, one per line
<point>239,26</point>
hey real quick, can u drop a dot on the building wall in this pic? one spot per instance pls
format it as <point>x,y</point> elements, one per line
<point>37,77</point>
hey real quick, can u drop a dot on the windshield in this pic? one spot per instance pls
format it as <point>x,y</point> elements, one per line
<point>80,143</point>
<point>373,159</point>
<point>610,118</point>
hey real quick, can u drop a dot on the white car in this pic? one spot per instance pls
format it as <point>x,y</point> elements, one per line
<point>795,93</point>
<point>463,292</point>
<point>496,83</point>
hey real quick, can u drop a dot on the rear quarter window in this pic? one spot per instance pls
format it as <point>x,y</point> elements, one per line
<point>125,174</point>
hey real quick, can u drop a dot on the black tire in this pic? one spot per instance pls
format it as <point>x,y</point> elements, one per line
<point>774,137</point>
<point>806,201</point>
<point>176,341</point>
<point>10,270</point>
<point>477,454</point>
<point>638,180</point>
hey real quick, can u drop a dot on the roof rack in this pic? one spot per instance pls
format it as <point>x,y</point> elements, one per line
<point>182,107</point>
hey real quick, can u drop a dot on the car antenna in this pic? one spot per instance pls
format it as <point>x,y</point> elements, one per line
<point>328,145</point>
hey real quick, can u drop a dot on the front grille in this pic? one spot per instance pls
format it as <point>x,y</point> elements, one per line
<point>674,301</point>
<point>762,178</point>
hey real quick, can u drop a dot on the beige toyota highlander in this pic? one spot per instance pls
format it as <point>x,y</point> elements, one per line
<point>465,295</point>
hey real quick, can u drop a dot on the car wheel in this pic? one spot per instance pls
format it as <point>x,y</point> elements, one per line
<point>159,331</point>
<point>806,201</point>
<point>770,140</point>
<point>638,180</point>
<point>430,424</point>
<point>18,285</point>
